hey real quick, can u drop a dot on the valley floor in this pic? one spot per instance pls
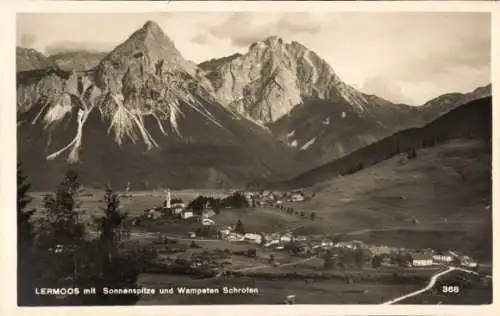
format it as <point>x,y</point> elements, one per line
<point>439,200</point>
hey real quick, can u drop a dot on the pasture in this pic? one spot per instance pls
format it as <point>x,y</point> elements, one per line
<point>440,198</point>
<point>272,292</point>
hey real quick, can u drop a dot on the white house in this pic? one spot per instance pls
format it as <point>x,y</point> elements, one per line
<point>421,260</point>
<point>285,238</point>
<point>254,238</point>
<point>272,242</point>
<point>235,237</point>
<point>466,261</point>
<point>177,209</point>
<point>181,205</point>
<point>187,214</point>
<point>349,244</point>
<point>300,238</point>
<point>469,264</point>
<point>326,243</point>
<point>443,258</point>
<point>207,222</point>
<point>297,197</point>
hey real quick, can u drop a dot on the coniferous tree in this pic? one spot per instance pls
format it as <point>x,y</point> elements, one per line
<point>239,227</point>
<point>25,231</point>
<point>62,223</point>
<point>113,270</point>
<point>26,274</point>
<point>412,154</point>
<point>327,260</point>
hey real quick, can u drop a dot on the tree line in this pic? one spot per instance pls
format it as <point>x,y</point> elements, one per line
<point>83,262</point>
<point>302,214</point>
<point>235,200</point>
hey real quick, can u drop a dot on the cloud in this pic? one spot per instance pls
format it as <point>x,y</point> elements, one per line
<point>290,24</point>
<point>61,47</point>
<point>440,55</point>
<point>387,89</point>
<point>201,39</point>
<point>27,40</point>
<point>473,54</point>
<point>244,29</point>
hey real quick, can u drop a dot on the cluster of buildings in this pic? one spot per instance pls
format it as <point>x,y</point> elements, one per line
<point>306,246</point>
<point>273,198</point>
<point>423,257</point>
<point>176,208</point>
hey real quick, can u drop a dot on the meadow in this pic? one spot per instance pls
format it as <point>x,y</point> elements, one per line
<point>273,292</point>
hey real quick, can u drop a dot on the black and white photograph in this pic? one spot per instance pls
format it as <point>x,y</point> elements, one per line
<point>265,158</point>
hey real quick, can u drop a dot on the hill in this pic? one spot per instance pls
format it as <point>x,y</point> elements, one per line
<point>438,106</point>
<point>438,200</point>
<point>471,120</point>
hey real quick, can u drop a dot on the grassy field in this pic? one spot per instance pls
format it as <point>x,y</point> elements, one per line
<point>135,202</point>
<point>441,196</point>
<point>273,292</point>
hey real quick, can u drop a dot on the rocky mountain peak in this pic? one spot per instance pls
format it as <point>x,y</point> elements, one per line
<point>274,76</point>
<point>144,78</point>
<point>153,27</point>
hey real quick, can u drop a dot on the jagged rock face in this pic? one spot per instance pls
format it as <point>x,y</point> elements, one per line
<point>29,59</point>
<point>273,77</point>
<point>132,116</point>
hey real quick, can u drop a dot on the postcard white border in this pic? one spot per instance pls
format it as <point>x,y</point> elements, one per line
<point>8,10</point>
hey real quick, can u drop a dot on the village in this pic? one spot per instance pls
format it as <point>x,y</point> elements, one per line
<point>279,248</point>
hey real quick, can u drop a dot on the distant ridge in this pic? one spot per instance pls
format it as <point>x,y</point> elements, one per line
<point>471,120</point>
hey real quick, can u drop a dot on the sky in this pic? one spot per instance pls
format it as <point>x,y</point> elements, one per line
<point>408,57</point>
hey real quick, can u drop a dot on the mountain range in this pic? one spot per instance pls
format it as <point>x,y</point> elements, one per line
<point>143,113</point>
<point>30,59</point>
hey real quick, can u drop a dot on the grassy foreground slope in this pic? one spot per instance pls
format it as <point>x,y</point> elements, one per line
<point>439,199</point>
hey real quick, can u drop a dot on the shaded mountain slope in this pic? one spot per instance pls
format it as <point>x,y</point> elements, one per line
<point>322,130</point>
<point>471,120</point>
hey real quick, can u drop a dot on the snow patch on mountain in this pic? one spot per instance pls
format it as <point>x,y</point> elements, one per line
<point>143,77</point>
